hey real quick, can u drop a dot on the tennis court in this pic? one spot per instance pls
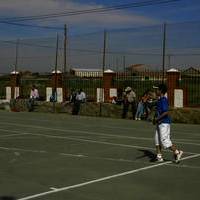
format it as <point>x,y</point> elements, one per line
<point>58,157</point>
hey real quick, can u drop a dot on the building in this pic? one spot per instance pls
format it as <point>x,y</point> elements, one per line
<point>86,73</point>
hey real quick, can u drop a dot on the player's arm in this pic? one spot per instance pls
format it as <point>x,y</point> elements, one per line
<point>163,111</point>
<point>162,116</point>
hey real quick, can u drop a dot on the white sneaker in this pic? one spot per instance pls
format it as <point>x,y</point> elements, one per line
<point>178,156</point>
<point>159,158</point>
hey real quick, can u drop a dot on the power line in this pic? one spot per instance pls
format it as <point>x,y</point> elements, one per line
<point>30,25</point>
<point>88,11</point>
<point>95,52</point>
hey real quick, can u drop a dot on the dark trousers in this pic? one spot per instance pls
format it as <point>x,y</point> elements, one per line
<point>30,104</point>
<point>126,105</point>
<point>76,107</point>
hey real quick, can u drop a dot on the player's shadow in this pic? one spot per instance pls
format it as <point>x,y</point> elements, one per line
<point>146,153</point>
<point>7,198</point>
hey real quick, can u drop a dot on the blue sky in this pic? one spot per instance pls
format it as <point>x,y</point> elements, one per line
<point>182,37</point>
<point>185,10</point>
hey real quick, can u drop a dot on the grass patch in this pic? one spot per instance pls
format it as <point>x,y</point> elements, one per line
<point>183,115</point>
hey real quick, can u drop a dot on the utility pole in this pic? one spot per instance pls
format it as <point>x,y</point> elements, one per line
<point>55,77</point>
<point>16,55</point>
<point>163,52</point>
<point>65,62</point>
<point>104,51</point>
<point>103,69</point>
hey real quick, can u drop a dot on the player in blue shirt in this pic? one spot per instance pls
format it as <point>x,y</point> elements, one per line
<point>163,121</point>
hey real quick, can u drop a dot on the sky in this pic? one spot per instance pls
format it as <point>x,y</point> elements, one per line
<point>149,16</point>
<point>183,10</point>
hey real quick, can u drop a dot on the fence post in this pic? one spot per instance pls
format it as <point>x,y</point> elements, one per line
<point>56,83</point>
<point>14,85</point>
<point>108,76</point>
<point>173,76</point>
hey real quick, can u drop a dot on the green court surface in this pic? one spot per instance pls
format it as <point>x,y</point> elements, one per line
<point>60,157</point>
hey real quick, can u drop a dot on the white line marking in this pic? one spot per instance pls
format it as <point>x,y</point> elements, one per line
<point>11,135</point>
<point>108,126</point>
<point>102,179</point>
<point>102,158</point>
<point>94,141</point>
<point>184,166</point>
<point>77,155</point>
<point>96,133</point>
<point>25,150</point>
<point>76,131</point>
<point>73,155</point>
<point>53,188</point>
<point>102,125</point>
<point>100,142</point>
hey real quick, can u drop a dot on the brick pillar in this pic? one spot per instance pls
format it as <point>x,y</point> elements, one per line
<point>14,83</point>
<point>107,84</point>
<point>56,82</point>
<point>173,77</point>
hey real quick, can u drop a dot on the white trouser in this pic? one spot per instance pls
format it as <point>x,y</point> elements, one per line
<point>162,135</point>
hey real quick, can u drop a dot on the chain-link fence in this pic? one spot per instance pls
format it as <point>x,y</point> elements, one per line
<point>140,57</point>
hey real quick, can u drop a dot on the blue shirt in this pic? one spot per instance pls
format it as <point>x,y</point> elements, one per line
<point>163,106</point>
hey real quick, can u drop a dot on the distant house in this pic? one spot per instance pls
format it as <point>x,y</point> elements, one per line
<point>136,68</point>
<point>191,72</point>
<point>142,72</point>
<point>86,73</point>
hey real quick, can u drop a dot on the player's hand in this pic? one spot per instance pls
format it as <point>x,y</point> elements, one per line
<point>155,121</point>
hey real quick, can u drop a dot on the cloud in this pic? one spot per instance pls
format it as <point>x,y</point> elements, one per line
<point>10,8</point>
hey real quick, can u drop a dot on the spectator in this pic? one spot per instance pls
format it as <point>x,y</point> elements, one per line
<point>129,98</point>
<point>34,93</point>
<point>140,110</point>
<point>80,98</point>
<point>146,99</point>
<point>72,98</point>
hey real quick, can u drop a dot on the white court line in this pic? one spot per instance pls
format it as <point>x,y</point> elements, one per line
<point>94,141</point>
<point>76,131</point>
<point>72,155</point>
<point>106,126</point>
<point>82,156</point>
<point>20,149</point>
<point>103,179</point>
<point>93,133</point>
<point>11,135</point>
<point>184,166</point>
<point>99,142</point>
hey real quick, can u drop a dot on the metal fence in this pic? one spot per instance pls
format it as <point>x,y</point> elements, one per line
<point>27,83</point>
<point>4,82</point>
<point>190,80</point>
<point>140,82</point>
<point>139,55</point>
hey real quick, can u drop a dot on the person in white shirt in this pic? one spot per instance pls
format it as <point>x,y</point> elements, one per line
<point>129,98</point>
<point>34,93</point>
<point>80,98</point>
